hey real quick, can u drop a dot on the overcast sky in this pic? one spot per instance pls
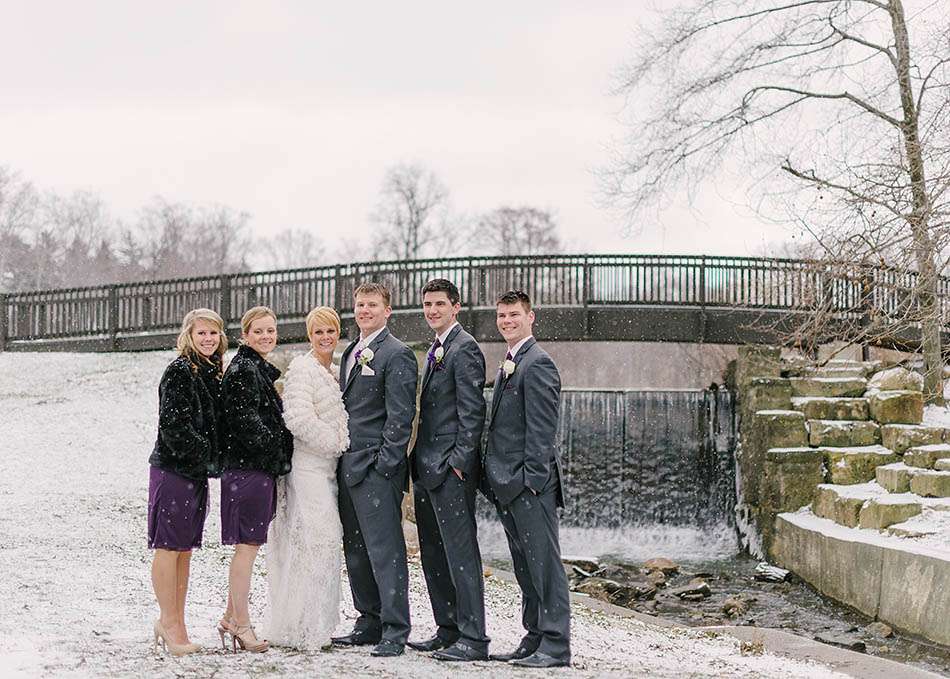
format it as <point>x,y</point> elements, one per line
<point>292,111</point>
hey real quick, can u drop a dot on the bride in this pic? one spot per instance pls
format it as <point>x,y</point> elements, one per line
<point>303,543</point>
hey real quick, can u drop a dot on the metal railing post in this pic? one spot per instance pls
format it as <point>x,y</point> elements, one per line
<point>4,322</point>
<point>702,299</point>
<point>114,316</point>
<point>224,301</point>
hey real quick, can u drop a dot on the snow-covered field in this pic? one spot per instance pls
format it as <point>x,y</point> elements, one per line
<point>74,568</point>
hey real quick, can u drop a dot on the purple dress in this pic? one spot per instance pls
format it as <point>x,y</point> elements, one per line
<point>248,503</point>
<point>177,507</point>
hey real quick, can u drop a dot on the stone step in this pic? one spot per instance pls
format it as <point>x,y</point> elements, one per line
<point>896,378</point>
<point>895,477</point>
<point>833,387</point>
<point>924,457</point>
<point>902,437</point>
<point>942,465</point>
<point>856,464</point>
<point>829,408</point>
<point>843,432</point>
<point>856,371</point>
<point>842,504</point>
<point>929,483</point>
<point>897,407</point>
<point>886,510</point>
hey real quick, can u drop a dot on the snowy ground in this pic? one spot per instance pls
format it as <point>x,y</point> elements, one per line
<point>77,600</point>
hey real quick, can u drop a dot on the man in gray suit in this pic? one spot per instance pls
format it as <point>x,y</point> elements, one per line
<point>523,474</point>
<point>445,468</point>
<point>378,380</point>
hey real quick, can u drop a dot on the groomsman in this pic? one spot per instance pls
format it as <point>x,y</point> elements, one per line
<point>445,470</point>
<point>523,473</point>
<point>378,381</point>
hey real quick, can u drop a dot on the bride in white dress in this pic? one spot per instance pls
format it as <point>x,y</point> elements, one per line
<point>304,539</point>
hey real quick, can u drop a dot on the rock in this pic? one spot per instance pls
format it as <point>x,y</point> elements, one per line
<point>924,457</point>
<point>928,483</point>
<point>881,512</point>
<point>902,437</point>
<point>657,578</point>
<point>696,590</point>
<point>843,432</point>
<point>598,588</point>
<point>895,477</point>
<point>942,465</point>
<point>586,563</point>
<point>667,566</point>
<point>817,408</point>
<point>625,595</point>
<point>757,360</point>
<point>644,592</point>
<point>896,379</point>
<point>847,466</point>
<point>796,366</point>
<point>791,477</point>
<point>766,393</point>
<point>897,407</point>
<point>734,607</point>
<point>765,572</point>
<point>880,630</point>
<point>833,387</point>
<point>842,641</point>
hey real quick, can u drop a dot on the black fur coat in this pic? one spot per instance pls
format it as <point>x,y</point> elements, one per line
<point>252,425</point>
<point>187,442</point>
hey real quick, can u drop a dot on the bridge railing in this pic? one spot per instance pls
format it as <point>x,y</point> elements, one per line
<point>556,280</point>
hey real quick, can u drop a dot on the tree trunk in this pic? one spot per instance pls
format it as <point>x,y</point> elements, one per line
<point>926,290</point>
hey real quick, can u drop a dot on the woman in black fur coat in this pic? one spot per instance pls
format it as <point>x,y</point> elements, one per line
<point>256,449</point>
<point>185,454</point>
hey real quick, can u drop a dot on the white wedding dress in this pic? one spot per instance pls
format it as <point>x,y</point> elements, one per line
<point>304,541</point>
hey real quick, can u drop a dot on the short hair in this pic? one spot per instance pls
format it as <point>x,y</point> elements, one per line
<point>324,315</point>
<point>373,288</point>
<point>515,297</point>
<point>253,314</point>
<point>443,285</point>
<point>186,344</point>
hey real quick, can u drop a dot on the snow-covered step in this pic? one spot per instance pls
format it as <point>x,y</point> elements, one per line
<point>894,477</point>
<point>830,408</point>
<point>843,432</point>
<point>854,464</point>
<point>886,510</point>
<point>930,483</point>
<point>847,372</point>
<point>924,457</point>
<point>942,465</point>
<point>897,407</point>
<point>902,437</point>
<point>842,504</point>
<point>832,387</point>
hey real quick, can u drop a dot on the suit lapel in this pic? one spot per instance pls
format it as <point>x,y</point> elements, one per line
<point>374,347</point>
<point>344,374</point>
<point>445,352</point>
<point>501,380</point>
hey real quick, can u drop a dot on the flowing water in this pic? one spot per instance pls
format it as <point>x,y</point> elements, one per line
<point>651,473</point>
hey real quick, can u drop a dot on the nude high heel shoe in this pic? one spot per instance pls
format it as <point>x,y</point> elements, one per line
<point>244,636</point>
<point>224,628</point>
<point>175,649</point>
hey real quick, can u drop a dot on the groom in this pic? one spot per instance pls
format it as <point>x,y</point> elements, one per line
<point>445,469</point>
<point>379,391</point>
<point>523,473</point>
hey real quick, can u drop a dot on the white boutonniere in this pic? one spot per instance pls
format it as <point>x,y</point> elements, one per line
<point>508,367</point>
<point>439,354</point>
<point>365,356</point>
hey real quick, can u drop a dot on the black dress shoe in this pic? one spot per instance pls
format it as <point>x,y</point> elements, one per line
<point>387,649</point>
<point>540,660</point>
<point>460,652</point>
<point>517,654</point>
<point>356,639</point>
<point>433,644</point>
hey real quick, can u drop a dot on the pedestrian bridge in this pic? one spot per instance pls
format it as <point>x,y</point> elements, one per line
<point>653,298</point>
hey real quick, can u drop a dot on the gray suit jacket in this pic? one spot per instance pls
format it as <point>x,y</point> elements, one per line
<point>522,437</point>
<point>381,408</point>
<point>451,412</point>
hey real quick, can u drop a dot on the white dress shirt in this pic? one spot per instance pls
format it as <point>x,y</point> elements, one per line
<point>362,344</point>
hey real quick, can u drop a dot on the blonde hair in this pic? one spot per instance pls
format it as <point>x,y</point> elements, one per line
<point>253,314</point>
<point>324,315</point>
<point>373,288</point>
<point>186,344</point>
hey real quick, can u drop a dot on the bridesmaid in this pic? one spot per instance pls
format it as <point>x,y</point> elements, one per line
<point>184,455</point>
<point>256,449</point>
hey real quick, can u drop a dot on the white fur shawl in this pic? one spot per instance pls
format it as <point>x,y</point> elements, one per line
<point>313,409</point>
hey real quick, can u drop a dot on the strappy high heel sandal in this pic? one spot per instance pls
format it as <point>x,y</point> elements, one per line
<point>175,649</point>
<point>244,636</point>
<point>224,628</point>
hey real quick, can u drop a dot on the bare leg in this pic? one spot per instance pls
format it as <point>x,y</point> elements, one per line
<point>184,570</point>
<point>239,582</point>
<point>165,584</point>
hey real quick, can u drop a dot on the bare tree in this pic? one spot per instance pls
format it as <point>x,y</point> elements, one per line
<point>829,93</point>
<point>412,214</point>
<point>289,249</point>
<point>18,211</point>
<point>80,223</point>
<point>519,231</point>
